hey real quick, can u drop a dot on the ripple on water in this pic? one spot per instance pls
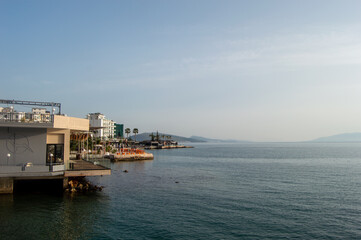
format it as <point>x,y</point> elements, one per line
<point>244,191</point>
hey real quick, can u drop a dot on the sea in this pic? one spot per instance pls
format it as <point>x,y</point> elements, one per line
<point>211,191</point>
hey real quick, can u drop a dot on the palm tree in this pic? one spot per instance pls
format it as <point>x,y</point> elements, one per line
<point>135,131</point>
<point>127,131</point>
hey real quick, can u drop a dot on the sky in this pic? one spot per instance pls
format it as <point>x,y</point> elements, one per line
<point>249,70</point>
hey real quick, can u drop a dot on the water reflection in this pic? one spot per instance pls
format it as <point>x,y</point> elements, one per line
<point>43,216</point>
<point>136,166</point>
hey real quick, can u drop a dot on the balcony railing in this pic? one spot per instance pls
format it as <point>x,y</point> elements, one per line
<point>24,168</point>
<point>88,162</point>
<point>22,117</point>
<point>97,160</point>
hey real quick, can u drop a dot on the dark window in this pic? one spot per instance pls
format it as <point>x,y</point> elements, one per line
<point>55,154</point>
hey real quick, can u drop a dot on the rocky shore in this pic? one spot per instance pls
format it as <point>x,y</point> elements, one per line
<point>80,184</point>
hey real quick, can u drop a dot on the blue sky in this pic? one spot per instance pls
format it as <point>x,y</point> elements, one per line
<point>253,70</point>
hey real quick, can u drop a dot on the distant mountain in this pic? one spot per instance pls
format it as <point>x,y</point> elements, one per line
<point>345,137</point>
<point>145,136</point>
<point>217,140</point>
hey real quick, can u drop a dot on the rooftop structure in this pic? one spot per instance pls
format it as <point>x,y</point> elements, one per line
<point>33,103</point>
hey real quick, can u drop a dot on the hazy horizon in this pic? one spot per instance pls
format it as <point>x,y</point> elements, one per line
<point>247,70</point>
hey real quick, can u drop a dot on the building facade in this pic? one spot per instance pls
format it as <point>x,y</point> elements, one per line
<point>119,130</point>
<point>9,114</point>
<point>40,150</point>
<point>103,128</point>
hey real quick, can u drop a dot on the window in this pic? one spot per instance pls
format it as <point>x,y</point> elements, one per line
<point>54,154</point>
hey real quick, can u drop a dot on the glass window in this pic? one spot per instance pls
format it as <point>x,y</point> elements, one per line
<point>59,153</point>
<point>55,154</point>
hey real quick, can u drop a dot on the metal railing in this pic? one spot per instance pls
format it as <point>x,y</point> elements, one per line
<point>13,168</point>
<point>22,117</point>
<point>88,162</point>
<point>104,162</point>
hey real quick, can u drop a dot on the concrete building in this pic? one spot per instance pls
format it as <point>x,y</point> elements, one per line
<point>119,130</point>
<point>103,127</point>
<point>8,114</point>
<point>32,150</point>
<point>38,115</point>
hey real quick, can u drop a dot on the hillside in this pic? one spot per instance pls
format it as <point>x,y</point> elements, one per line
<point>345,137</point>
<point>217,140</point>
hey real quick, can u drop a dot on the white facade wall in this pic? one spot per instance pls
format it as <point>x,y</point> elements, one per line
<point>38,110</point>
<point>106,127</point>
<point>12,116</point>
<point>7,110</point>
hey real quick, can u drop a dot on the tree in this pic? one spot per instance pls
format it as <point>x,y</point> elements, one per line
<point>135,131</point>
<point>127,131</point>
<point>108,148</point>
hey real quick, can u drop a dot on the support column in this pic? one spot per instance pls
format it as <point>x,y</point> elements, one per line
<point>6,185</point>
<point>65,182</point>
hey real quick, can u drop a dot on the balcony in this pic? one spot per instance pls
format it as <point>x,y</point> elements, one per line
<point>26,119</point>
<point>88,165</point>
<point>30,170</point>
<point>43,121</point>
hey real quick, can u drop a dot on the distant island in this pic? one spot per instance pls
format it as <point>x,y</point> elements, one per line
<point>196,139</point>
<point>344,137</point>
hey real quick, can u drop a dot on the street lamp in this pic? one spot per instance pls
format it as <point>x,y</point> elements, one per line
<point>51,158</point>
<point>51,162</point>
<point>9,155</point>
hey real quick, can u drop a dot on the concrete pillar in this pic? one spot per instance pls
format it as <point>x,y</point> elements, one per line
<point>6,185</point>
<point>65,182</point>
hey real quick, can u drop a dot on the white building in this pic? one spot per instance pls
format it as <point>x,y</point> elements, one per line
<point>39,111</point>
<point>104,128</point>
<point>9,114</point>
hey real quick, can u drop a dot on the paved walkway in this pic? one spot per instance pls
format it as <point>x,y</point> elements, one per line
<point>84,165</point>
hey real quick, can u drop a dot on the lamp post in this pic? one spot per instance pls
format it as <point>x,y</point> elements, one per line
<point>9,155</point>
<point>51,162</point>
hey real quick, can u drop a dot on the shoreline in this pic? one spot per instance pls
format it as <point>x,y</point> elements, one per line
<point>167,147</point>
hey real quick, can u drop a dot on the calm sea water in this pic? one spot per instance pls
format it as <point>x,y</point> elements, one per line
<point>230,191</point>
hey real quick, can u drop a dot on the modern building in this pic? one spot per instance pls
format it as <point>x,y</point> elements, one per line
<point>103,128</point>
<point>119,130</point>
<point>33,150</point>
